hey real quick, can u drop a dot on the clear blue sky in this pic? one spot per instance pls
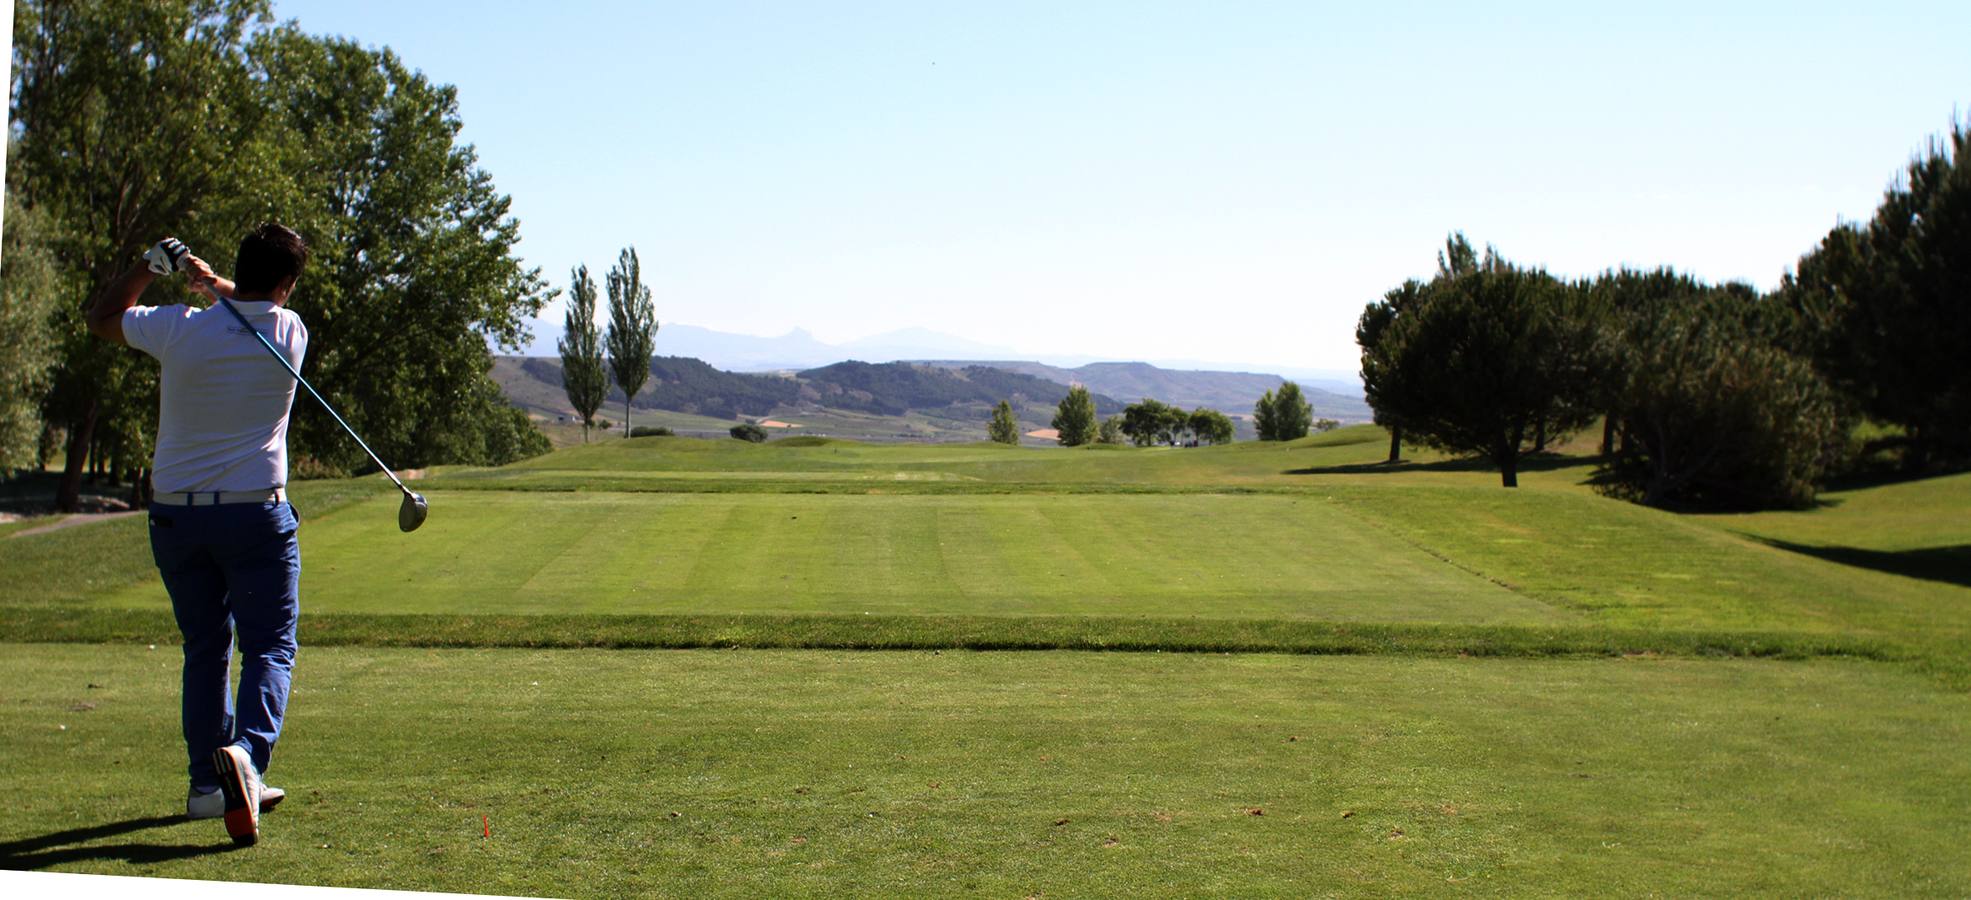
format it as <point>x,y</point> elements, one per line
<point>1214,180</point>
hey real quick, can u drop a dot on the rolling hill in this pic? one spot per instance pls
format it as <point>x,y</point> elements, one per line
<point>887,400</point>
<point>1230,392</point>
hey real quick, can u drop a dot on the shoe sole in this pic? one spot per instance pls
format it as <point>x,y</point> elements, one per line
<point>242,818</point>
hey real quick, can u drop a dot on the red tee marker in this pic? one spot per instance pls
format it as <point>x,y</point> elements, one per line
<point>488,823</point>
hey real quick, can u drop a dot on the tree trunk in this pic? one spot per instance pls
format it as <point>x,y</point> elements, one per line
<point>1540,436</point>
<point>626,414</point>
<point>1608,434</point>
<point>68,494</point>
<point>1916,453</point>
<point>1506,454</point>
<point>1396,444</point>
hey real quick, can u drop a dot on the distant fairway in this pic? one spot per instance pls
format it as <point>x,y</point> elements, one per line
<point>1130,555</point>
<point>1597,742</point>
<point>1308,531</point>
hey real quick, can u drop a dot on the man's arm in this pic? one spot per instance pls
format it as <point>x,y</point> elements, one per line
<point>106,315</point>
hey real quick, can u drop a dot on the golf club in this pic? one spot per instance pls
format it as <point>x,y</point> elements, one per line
<point>411,513</point>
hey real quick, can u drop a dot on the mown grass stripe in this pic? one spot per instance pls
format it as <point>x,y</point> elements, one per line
<point>59,624</point>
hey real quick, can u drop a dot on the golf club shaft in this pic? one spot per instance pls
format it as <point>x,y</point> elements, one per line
<point>304,383</point>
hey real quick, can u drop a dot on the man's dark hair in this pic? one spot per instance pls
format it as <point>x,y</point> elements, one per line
<point>269,255</point>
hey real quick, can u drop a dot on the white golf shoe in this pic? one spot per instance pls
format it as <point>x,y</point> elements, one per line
<point>239,785</point>
<point>212,804</point>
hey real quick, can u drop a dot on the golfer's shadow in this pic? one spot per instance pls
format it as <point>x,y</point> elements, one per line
<point>53,849</point>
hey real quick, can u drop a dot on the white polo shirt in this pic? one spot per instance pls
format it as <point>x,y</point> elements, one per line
<point>223,401</point>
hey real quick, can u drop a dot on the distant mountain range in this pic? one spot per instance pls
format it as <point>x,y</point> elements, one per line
<point>949,391</point>
<point>1231,392</point>
<point>799,350</point>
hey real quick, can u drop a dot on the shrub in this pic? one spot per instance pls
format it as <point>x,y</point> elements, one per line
<point>650,431</point>
<point>747,431</point>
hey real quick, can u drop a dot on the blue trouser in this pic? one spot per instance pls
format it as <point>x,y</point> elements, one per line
<point>235,565</point>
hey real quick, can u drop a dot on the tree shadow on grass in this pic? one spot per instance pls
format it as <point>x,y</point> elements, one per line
<point>1544,462</point>
<point>1950,565</point>
<point>55,848</point>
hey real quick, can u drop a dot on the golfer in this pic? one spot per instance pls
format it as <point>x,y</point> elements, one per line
<point>222,531</point>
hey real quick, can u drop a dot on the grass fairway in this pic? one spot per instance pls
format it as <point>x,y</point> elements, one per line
<point>1417,679</point>
<point>1063,774</point>
<point>1209,555</point>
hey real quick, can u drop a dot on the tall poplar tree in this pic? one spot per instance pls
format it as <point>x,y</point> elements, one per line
<point>583,375</point>
<point>632,328</point>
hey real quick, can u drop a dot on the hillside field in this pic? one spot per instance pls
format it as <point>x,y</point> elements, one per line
<point>824,667</point>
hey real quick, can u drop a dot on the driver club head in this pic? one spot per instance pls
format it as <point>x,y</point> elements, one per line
<point>411,514</point>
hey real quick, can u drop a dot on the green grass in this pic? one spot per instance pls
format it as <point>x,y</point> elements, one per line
<point>1305,532</point>
<point>88,561</point>
<point>1545,690</point>
<point>7,529</point>
<point>1145,555</point>
<point>614,773</point>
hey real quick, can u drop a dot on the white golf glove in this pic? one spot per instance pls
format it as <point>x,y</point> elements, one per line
<point>167,256</point>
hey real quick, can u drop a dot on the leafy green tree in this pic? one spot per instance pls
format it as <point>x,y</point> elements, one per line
<point>1284,415</point>
<point>1263,419</point>
<point>200,119</point>
<point>1145,421</point>
<point>1111,431</point>
<point>29,289</point>
<point>1895,295</point>
<point>1074,418</point>
<point>632,328</point>
<point>1484,357</point>
<point>583,374</point>
<point>1174,421</point>
<point>415,269</point>
<point>1211,426</point>
<point>1004,428</point>
<point>1292,414</point>
<point>1326,425</point>
<point>502,435</point>
<point>1712,411</point>
<point>131,116</point>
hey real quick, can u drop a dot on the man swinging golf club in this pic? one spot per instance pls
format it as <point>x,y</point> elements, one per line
<point>222,531</point>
